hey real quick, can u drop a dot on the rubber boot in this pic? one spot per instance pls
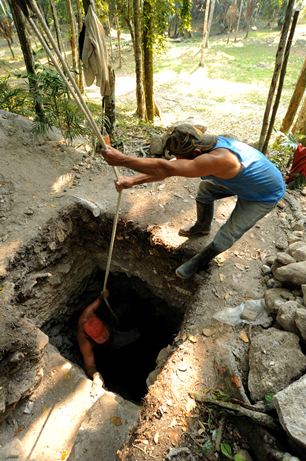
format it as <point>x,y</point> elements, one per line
<point>199,262</point>
<point>205,215</point>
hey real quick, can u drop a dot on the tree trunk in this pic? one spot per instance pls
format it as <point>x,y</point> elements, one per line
<point>295,100</point>
<point>28,56</point>
<point>56,26</point>
<point>80,24</point>
<point>211,16</point>
<point>277,68</point>
<point>140,99</point>
<point>239,19</point>
<point>119,42</point>
<point>205,33</point>
<point>281,80</point>
<point>73,46</point>
<point>148,59</point>
<point>110,106</point>
<point>299,127</point>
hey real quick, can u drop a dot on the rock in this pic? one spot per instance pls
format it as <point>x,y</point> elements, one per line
<point>7,293</point>
<point>286,315</point>
<point>282,259</point>
<point>105,428</point>
<point>281,204</point>
<point>275,297</point>
<point>269,260</point>
<point>265,269</point>
<point>295,236</point>
<point>281,245</point>
<point>290,405</point>
<point>275,360</point>
<point>300,321</point>
<point>230,358</point>
<point>29,212</point>
<point>160,361</point>
<point>13,451</point>
<point>272,283</point>
<point>294,273</point>
<point>298,251</point>
<point>299,225</point>
<point>180,454</point>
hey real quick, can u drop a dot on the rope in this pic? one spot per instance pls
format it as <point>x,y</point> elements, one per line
<point>75,91</point>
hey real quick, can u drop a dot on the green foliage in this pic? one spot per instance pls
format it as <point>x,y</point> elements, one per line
<point>298,181</point>
<point>282,151</point>
<point>185,16</point>
<point>268,398</point>
<point>281,156</point>
<point>59,109</point>
<point>14,99</point>
<point>102,10</point>
<point>218,394</point>
<point>227,452</point>
<point>269,8</point>
<point>208,447</point>
<point>156,15</point>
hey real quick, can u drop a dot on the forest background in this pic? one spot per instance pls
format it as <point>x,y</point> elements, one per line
<point>210,61</point>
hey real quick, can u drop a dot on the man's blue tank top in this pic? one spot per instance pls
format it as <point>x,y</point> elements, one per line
<point>258,181</point>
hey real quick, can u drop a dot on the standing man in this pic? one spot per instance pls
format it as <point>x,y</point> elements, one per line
<point>227,167</point>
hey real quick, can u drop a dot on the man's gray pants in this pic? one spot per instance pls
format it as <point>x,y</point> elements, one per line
<point>244,216</point>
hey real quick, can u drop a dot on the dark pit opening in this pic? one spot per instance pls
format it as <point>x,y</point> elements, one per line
<point>126,369</point>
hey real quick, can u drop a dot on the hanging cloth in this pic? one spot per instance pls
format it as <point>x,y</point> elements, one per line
<point>94,53</point>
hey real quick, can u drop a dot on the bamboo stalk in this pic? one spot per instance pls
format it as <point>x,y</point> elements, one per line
<point>277,68</point>
<point>281,81</point>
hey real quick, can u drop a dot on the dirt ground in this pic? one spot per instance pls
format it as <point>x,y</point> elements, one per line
<point>41,178</point>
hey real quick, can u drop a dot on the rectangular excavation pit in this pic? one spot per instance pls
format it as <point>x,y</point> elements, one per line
<point>61,271</point>
<point>143,325</point>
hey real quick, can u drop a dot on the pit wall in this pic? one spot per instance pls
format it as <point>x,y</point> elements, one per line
<point>46,273</point>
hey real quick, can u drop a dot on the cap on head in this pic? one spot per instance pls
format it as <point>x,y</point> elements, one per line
<point>185,138</point>
<point>96,329</point>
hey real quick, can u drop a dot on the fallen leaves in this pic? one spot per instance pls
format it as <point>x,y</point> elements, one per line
<point>116,421</point>
<point>243,336</point>
<point>236,381</point>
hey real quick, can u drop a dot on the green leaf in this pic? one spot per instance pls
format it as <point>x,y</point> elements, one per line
<point>239,457</point>
<point>208,447</point>
<point>268,398</point>
<point>226,450</point>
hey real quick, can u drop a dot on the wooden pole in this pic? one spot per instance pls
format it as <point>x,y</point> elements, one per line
<point>79,26</point>
<point>277,68</point>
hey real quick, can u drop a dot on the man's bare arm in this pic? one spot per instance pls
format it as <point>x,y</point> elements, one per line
<point>87,353</point>
<point>125,182</point>
<point>220,163</point>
